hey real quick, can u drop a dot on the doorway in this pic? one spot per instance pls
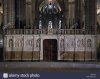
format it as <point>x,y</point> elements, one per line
<point>50,50</point>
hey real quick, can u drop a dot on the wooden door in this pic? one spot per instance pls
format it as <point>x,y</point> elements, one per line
<point>50,50</point>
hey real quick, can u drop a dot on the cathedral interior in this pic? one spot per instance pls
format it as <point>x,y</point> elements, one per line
<point>42,13</point>
<point>49,35</point>
<point>49,30</point>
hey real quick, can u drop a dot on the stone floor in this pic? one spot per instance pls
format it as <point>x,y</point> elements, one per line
<point>48,66</point>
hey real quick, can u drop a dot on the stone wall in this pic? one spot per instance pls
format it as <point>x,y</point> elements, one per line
<point>30,47</point>
<point>22,47</point>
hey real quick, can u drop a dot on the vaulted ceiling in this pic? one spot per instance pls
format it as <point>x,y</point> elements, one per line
<point>98,5</point>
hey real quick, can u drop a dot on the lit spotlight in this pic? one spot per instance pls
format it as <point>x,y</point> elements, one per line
<point>50,0</point>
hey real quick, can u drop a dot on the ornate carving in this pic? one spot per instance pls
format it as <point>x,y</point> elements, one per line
<point>10,43</point>
<point>89,43</point>
<point>80,43</point>
<point>29,42</point>
<point>19,43</point>
<point>38,43</point>
<point>62,46</point>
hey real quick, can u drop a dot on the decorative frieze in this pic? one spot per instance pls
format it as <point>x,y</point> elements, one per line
<point>66,42</point>
<point>22,43</point>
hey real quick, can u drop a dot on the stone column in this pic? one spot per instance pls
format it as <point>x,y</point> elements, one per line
<point>5,11</point>
<point>37,4</point>
<point>13,14</point>
<point>66,13</point>
<point>33,13</point>
<point>29,18</point>
<point>90,15</point>
<point>9,13</point>
<point>78,13</point>
<point>17,14</point>
<point>20,14</point>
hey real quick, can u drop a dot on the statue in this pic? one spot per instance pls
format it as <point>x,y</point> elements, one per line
<point>62,44</point>
<point>50,27</point>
